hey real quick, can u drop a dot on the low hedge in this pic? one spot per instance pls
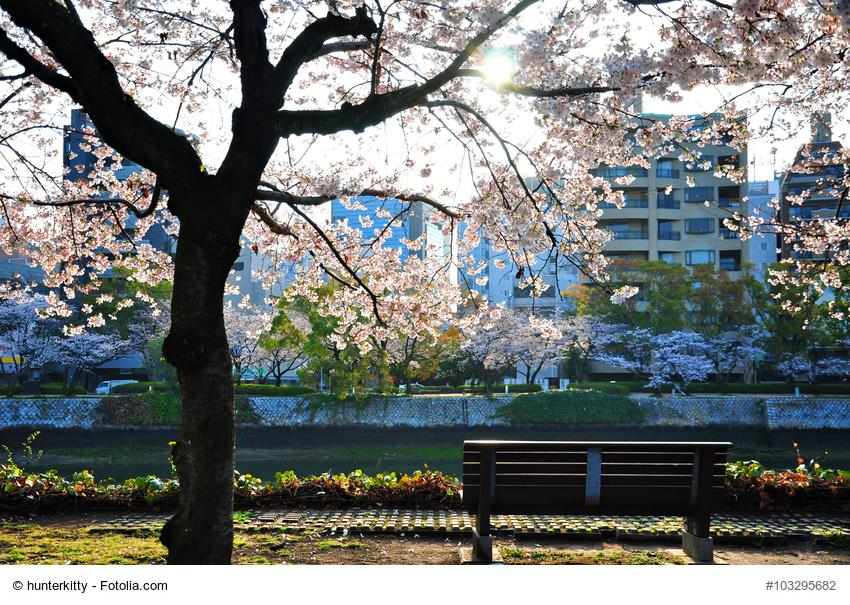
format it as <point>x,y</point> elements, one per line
<point>57,388</point>
<point>735,388</point>
<point>616,388</point>
<point>500,388</point>
<point>747,486</point>
<point>22,490</point>
<point>271,390</point>
<point>144,387</point>
<point>571,407</point>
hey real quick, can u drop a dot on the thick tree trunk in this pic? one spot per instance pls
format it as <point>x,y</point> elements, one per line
<point>201,531</point>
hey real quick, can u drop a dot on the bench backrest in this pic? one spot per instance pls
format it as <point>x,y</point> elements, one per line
<point>562,477</point>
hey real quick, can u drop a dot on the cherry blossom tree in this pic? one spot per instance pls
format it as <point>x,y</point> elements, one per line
<point>488,336</point>
<point>82,353</point>
<point>539,340</point>
<point>679,358</point>
<point>291,108</point>
<point>246,324</point>
<point>27,339</point>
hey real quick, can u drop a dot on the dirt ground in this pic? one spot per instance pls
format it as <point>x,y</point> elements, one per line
<point>64,540</point>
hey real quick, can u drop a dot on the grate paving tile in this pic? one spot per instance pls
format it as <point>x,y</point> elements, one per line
<point>723,526</point>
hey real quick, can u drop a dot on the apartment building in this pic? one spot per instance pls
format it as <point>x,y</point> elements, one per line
<point>665,219</point>
<point>762,245</point>
<point>411,220</point>
<point>811,189</point>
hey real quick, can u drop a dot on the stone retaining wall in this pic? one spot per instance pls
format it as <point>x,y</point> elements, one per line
<point>60,413</point>
<point>771,412</point>
<point>407,411</point>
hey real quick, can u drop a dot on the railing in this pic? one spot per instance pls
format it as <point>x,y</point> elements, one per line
<point>667,173</point>
<point>729,202</point>
<point>614,172</point>
<point>670,235</point>
<point>730,265</point>
<point>807,214</point>
<point>631,234</point>
<point>668,202</point>
<point>729,234</point>
<point>636,201</point>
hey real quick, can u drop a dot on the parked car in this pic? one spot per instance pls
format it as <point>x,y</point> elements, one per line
<point>105,387</point>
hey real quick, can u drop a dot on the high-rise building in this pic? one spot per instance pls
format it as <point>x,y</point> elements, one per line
<point>762,245</point>
<point>666,219</point>
<point>410,221</point>
<point>79,161</point>
<point>811,189</point>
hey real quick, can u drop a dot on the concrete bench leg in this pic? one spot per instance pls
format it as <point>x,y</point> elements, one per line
<point>696,540</point>
<point>482,548</point>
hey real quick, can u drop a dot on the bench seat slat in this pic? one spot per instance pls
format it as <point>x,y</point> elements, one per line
<point>607,456</point>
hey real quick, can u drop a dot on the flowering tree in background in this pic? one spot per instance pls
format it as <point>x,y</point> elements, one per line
<point>679,358</point>
<point>27,340</point>
<point>584,339</point>
<point>246,324</point>
<point>82,353</point>
<point>292,109</point>
<point>538,341</point>
<point>488,341</point>
<point>629,349</point>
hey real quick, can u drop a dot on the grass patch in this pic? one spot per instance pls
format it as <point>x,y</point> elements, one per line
<point>571,407</point>
<point>520,556</point>
<point>32,544</point>
<point>331,544</point>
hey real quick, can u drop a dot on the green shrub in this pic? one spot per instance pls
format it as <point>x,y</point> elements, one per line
<point>616,388</point>
<point>722,388</point>
<point>57,388</point>
<point>271,390</point>
<point>571,407</point>
<point>500,388</point>
<point>144,387</point>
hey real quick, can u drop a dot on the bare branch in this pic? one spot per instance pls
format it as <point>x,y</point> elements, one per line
<point>94,83</point>
<point>309,44</point>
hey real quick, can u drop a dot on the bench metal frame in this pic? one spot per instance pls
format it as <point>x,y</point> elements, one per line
<point>592,478</point>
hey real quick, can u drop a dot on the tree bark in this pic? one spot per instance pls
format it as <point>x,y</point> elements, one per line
<point>201,531</point>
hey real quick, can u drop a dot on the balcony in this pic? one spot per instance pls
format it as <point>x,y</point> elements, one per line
<point>729,234</point>
<point>615,172</point>
<point>806,213</point>
<point>730,264</point>
<point>729,202</point>
<point>667,173</point>
<point>630,201</point>
<point>668,202</point>
<point>630,234</point>
<point>670,235</point>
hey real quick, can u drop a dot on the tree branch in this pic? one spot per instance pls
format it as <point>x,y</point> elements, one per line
<point>309,44</point>
<point>33,66</point>
<point>121,123</point>
<point>273,194</point>
<point>377,108</point>
<point>249,33</point>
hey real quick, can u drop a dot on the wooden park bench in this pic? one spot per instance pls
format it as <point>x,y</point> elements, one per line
<point>594,478</point>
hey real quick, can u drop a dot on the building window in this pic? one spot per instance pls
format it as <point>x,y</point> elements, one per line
<point>764,245</point>
<point>238,266</point>
<point>667,257</point>
<point>699,225</point>
<point>730,260</point>
<point>695,195</point>
<point>699,257</point>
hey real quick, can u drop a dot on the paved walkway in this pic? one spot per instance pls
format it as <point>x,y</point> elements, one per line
<point>725,527</point>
